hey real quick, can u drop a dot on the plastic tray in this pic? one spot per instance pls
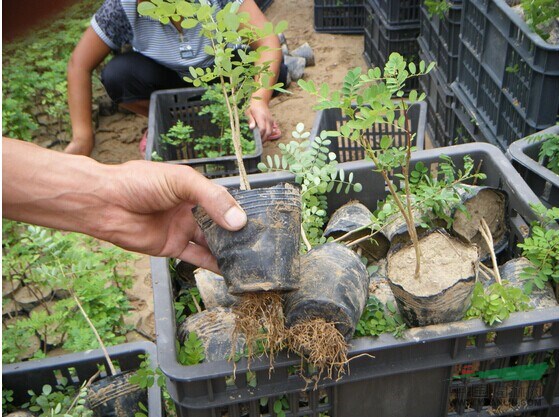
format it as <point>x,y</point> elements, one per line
<point>509,74</point>
<point>524,157</point>
<point>346,150</point>
<point>169,106</point>
<point>397,12</point>
<point>79,368</point>
<point>381,39</point>
<point>439,38</point>
<point>338,16</point>
<point>410,376</point>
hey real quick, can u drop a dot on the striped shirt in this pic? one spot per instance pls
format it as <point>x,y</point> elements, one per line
<point>118,23</point>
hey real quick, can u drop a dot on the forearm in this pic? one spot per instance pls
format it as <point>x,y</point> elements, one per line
<point>79,101</point>
<point>54,189</point>
<point>273,57</point>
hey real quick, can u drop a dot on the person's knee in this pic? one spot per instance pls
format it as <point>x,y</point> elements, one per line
<point>115,76</point>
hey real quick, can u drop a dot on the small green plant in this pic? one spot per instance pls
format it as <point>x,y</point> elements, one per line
<point>495,303</point>
<point>512,69</point>
<point>64,400</point>
<point>374,99</point>
<point>316,170</point>
<point>7,398</point>
<point>238,79</point>
<point>192,351</point>
<point>540,14</point>
<point>376,319</point>
<point>65,262</point>
<point>437,7</point>
<point>280,406</point>
<point>541,248</point>
<point>188,302</point>
<point>549,151</point>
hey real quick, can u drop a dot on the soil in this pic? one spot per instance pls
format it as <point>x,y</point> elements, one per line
<point>444,262</point>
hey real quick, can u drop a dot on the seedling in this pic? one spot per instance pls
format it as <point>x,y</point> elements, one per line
<point>239,79</point>
<point>367,99</point>
<point>549,151</point>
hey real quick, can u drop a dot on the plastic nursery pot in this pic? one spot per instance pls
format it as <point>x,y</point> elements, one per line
<point>264,255</point>
<point>214,328</point>
<point>185,273</point>
<point>115,396</point>
<point>213,290</point>
<point>396,229</point>
<point>334,286</point>
<point>352,216</point>
<point>540,298</point>
<point>447,277</point>
<point>486,203</point>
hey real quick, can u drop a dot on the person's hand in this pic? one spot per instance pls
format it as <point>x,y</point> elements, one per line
<point>259,115</point>
<point>152,213</point>
<point>81,145</point>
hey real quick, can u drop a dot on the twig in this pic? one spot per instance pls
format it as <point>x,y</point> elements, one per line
<point>196,303</point>
<point>488,237</point>
<point>87,384</point>
<point>107,357</point>
<point>305,240</point>
<point>477,171</point>
<point>485,274</point>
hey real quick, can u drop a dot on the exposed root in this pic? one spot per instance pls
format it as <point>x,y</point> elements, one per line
<point>261,323</point>
<point>322,346</point>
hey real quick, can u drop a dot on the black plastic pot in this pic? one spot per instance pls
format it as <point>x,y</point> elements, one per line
<point>214,327</point>
<point>489,203</point>
<point>264,255</point>
<point>449,302</point>
<point>115,396</point>
<point>213,290</point>
<point>334,286</point>
<point>352,216</point>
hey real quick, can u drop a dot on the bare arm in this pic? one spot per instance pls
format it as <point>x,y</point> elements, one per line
<point>87,55</point>
<point>259,109</point>
<point>141,206</point>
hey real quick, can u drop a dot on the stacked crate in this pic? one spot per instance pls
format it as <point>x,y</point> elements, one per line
<point>391,26</point>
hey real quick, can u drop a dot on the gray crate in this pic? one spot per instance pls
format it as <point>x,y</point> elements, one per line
<point>347,150</point>
<point>411,376</point>
<point>169,106</point>
<point>338,16</point>
<point>79,368</point>
<point>508,73</point>
<point>524,157</point>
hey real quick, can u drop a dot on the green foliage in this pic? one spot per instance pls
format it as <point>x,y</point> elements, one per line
<point>549,151</point>
<point>437,7</point>
<point>64,400</point>
<point>541,248</point>
<point>439,194</point>
<point>7,398</point>
<point>540,15</point>
<point>34,74</point>
<point>208,146</point>
<point>97,274</point>
<point>378,318</point>
<point>316,170</point>
<point>192,351</point>
<point>187,303</point>
<point>495,303</point>
<point>280,406</point>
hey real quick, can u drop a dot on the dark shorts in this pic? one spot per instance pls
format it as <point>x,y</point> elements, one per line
<point>131,76</point>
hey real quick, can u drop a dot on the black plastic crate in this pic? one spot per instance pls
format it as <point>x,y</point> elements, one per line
<point>264,4</point>
<point>79,368</point>
<point>347,150</point>
<point>441,119</point>
<point>381,39</point>
<point>184,104</point>
<point>524,157</point>
<point>507,71</point>
<point>439,38</point>
<point>338,16</point>
<point>397,12</point>
<point>411,376</point>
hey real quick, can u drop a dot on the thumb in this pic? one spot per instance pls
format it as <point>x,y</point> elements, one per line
<point>251,120</point>
<point>219,204</point>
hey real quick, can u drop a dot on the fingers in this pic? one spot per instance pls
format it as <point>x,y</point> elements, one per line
<point>199,256</point>
<point>218,203</point>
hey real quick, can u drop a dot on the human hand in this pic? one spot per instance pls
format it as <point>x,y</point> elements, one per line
<point>152,211</point>
<point>259,115</point>
<point>81,145</point>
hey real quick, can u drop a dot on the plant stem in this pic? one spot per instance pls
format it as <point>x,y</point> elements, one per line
<point>305,240</point>
<point>107,357</point>
<point>488,237</point>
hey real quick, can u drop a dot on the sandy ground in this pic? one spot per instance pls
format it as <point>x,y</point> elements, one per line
<point>117,136</point>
